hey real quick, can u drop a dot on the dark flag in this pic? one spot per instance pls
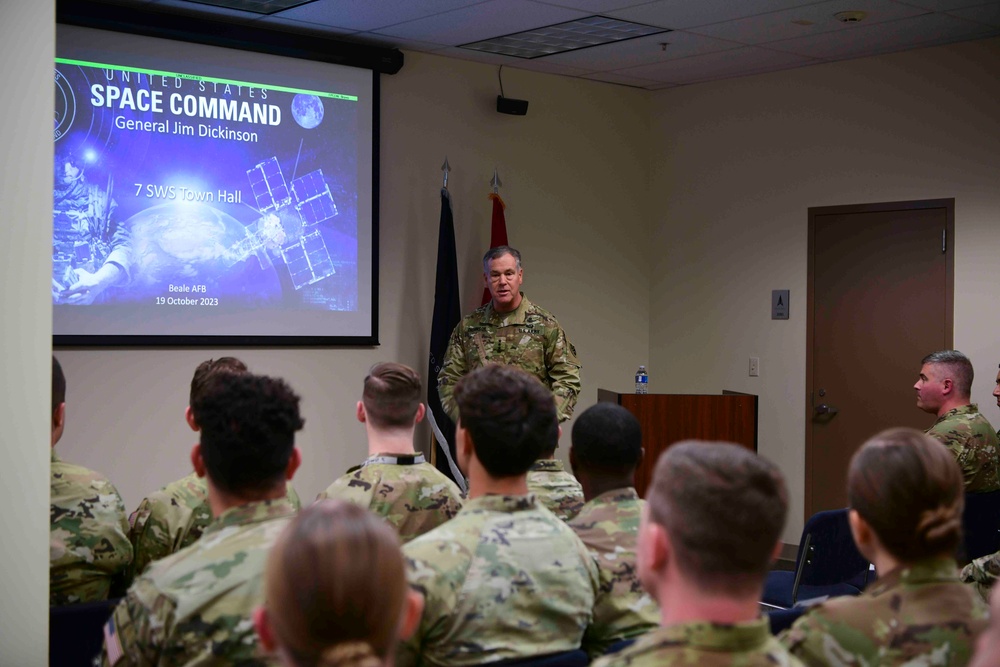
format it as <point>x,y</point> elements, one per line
<point>498,232</point>
<point>447,313</point>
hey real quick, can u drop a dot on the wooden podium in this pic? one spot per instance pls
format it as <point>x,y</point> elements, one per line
<point>668,418</point>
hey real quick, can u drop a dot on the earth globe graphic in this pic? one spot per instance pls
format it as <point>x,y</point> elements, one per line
<point>186,243</point>
<point>307,110</point>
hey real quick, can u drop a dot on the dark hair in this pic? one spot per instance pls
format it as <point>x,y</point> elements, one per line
<point>910,490</point>
<point>959,369</point>
<point>391,395</point>
<point>208,369</point>
<point>248,424</point>
<point>607,438</point>
<point>723,508</point>
<point>500,251</point>
<point>510,416</point>
<point>336,585</point>
<point>58,385</point>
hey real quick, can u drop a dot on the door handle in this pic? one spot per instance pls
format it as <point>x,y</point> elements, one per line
<point>824,409</point>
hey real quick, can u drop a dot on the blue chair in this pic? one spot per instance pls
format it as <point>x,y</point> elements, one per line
<point>576,658</point>
<point>782,619</point>
<point>980,525</point>
<point>828,564</point>
<point>76,632</point>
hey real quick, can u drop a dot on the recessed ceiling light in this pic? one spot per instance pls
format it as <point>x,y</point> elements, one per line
<point>255,6</point>
<point>562,37</point>
<point>850,17</point>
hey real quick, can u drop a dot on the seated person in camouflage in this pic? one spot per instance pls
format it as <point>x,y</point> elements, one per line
<point>88,548</point>
<point>984,572</point>
<point>988,645</point>
<point>174,517</point>
<point>944,389</point>
<point>394,481</point>
<point>505,579</point>
<point>708,534</point>
<point>607,448</point>
<point>359,604</point>
<point>906,499</point>
<point>195,606</point>
<point>553,485</point>
<point>513,331</point>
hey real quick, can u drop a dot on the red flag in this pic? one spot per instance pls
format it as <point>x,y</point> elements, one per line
<point>498,232</point>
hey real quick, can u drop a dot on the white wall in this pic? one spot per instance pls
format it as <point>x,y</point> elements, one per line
<point>27,46</point>
<point>736,166</point>
<point>575,179</point>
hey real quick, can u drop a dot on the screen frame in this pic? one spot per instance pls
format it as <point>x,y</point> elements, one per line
<point>212,32</point>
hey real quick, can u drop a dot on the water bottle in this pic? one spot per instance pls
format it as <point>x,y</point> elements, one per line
<point>641,381</point>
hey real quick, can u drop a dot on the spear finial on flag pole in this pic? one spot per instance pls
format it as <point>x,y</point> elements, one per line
<point>495,182</point>
<point>445,168</point>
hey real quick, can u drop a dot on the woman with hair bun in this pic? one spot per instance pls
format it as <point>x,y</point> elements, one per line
<point>906,495</point>
<point>336,591</point>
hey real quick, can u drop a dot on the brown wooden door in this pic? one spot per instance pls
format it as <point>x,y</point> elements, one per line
<point>879,299</point>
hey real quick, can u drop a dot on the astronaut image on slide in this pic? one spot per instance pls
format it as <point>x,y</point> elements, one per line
<point>182,190</point>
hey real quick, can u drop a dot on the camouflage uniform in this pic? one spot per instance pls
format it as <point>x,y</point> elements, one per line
<point>982,573</point>
<point>703,643</point>
<point>556,489</point>
<point>408,492</point>
<point>969,436</point>
<point>173,518</point>
<point>87,542</point>
<point>195,606</point>
<point>504,579</point>
<point>609,526</point>
<point>528,337</point>
<point>917,614</point>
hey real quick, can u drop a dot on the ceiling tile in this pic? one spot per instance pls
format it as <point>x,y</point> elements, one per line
<point>678,14</point>
<point>863,40</point>
<point>488,19</point>
<point>367,15</point>
<point>594,6</point>
<point>986,14</point>
<point>621,79</point>
<point>304,26</point>
<point>775,26</point>
<point>716,65</point>
<point>942,5</point>
<point>641,51</point>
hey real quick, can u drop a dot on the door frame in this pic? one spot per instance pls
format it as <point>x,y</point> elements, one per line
<point>814,212</point>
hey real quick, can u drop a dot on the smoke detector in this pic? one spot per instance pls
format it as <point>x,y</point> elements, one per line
<point>850,17</point>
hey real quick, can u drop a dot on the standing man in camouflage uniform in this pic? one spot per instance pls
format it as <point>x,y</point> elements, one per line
<point>553,485</point>
<point>505,579</point>
<point>395,481</point>
<point>607,448</point>
<point>944,388</point>
<point>513,331</point>
<point>87,543</point>
<point>195,607</point>
<point>174,517</point>
<point>707,537</point>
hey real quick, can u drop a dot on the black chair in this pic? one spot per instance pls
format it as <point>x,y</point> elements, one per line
<point>980,525</point>
<point>76,632</point>
<point>827,561</point>
<point>576,658</point>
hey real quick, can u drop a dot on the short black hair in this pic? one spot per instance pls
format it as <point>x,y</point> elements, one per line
<point>607,438</point>
<point>208,369</point>
<point>58,385</point>
<point>248,424</point>
<point>509,414</point>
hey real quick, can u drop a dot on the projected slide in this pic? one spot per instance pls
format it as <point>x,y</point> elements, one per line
<point>189,202</point>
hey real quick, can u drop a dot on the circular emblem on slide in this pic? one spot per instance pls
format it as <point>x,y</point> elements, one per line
<point>65,106</point>
<point>307,110</point>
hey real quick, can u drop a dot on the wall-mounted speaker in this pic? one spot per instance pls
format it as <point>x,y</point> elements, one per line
<point>509,105</point>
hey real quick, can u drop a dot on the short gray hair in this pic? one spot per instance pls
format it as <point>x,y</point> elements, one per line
<point>959,368</point>
<point>500,251</point>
